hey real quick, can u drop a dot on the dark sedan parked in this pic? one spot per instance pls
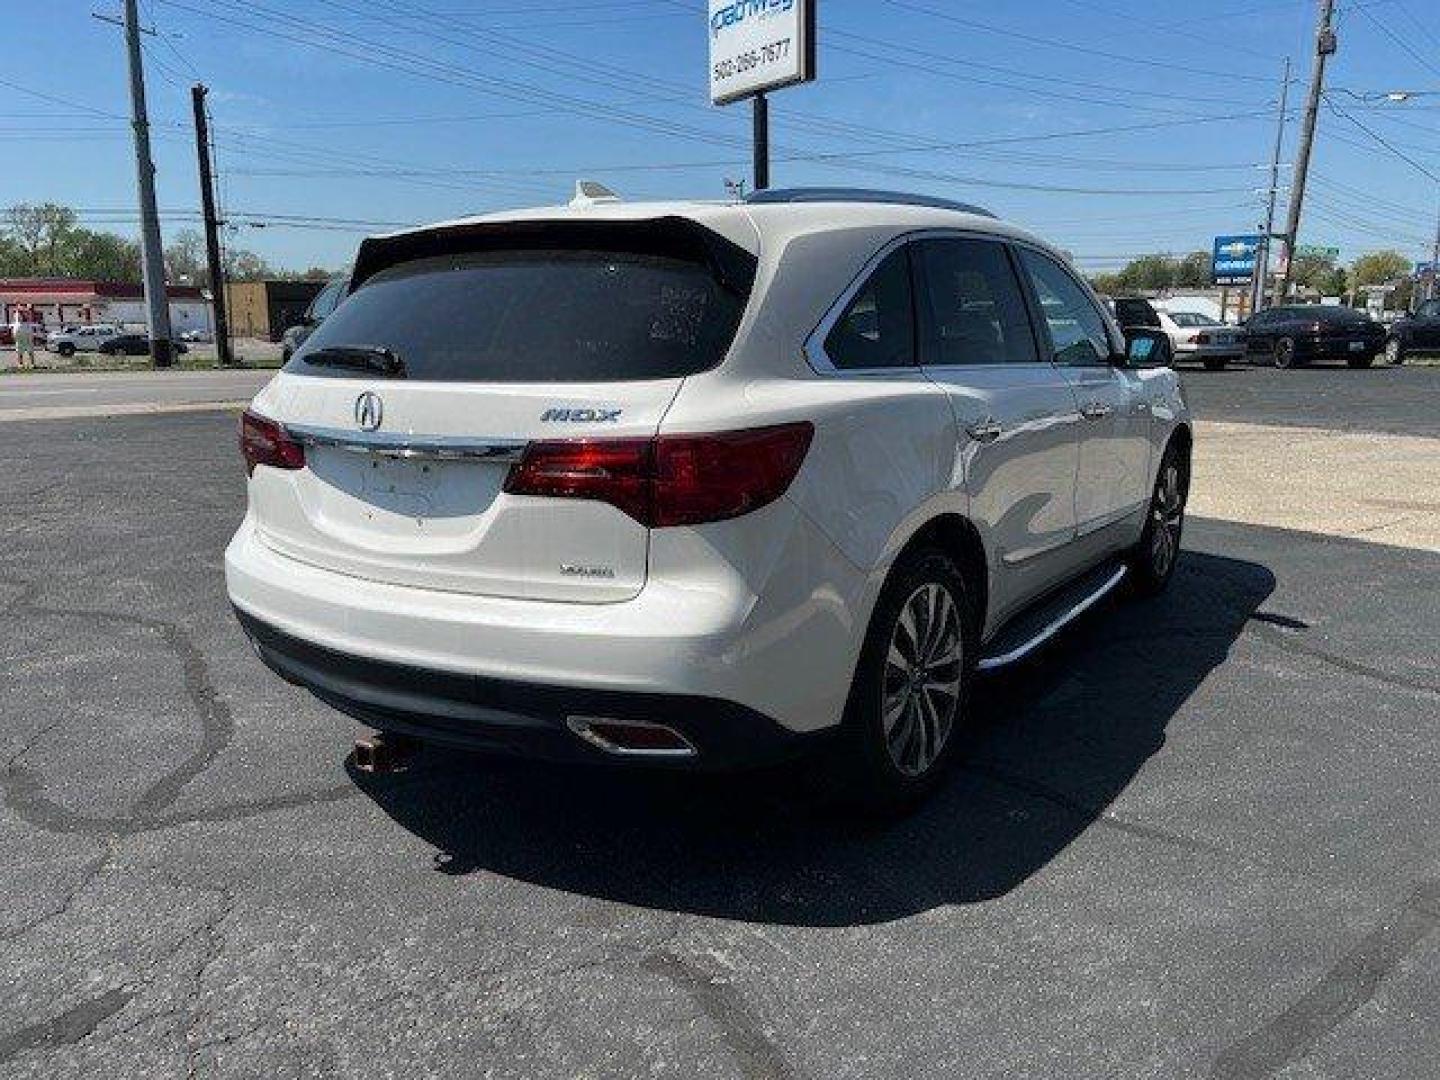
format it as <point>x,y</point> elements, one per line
<point>1288,336</point>
<point>1415,333</point>
<point>135,345</point>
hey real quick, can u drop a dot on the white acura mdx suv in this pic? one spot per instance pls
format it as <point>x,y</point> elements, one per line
<point>700,483</point>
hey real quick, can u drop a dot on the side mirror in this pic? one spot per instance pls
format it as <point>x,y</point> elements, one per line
<point>1147,348</point>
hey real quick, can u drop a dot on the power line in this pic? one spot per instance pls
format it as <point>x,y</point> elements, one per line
<point>1415,19</point>
<point>1381,140</point>
<point>1398,40</point>
<point>1071,46</point>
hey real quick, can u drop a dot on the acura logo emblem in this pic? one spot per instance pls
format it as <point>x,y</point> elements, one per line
<point>369,411</point>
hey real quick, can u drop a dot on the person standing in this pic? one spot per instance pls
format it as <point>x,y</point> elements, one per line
<point>24,336</point>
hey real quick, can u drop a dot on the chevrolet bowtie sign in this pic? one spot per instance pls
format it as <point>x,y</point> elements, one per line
<point>759,45</point>
<point>1234,259</point>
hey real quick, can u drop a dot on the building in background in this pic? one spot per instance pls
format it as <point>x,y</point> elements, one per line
<point>62,301</point>
<point>266,309</point>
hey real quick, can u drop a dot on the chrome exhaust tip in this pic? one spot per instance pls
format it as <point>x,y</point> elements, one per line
<point>631,738</point>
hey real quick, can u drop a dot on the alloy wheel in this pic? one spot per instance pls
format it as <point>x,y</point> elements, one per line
<point>1284,353</point>
<point>1392,351</point>
<point>920,691</point>
<point>1167,516</point>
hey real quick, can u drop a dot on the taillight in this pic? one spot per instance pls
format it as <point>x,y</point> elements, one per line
<point>617,471</point>
<point>1202,339</point>
<point>670,479</point>
<point>264,442</point>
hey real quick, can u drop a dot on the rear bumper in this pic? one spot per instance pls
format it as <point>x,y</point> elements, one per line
<point>1326,347</point>
<point>518,718</point>
<point>1189,350</point>
<point>777,643</point>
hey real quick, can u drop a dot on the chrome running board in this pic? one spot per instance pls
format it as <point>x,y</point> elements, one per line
<point>1054,626</point>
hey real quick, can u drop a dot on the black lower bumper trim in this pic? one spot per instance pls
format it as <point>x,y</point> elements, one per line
<point>506,716</point>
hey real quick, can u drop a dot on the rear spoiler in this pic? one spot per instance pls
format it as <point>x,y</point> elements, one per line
<point>672,237</point>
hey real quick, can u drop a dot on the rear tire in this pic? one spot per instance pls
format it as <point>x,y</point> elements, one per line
<point>909,699</point>
<point>65,349</point>
<point>1360,361</point>
<point>1285,353</point>
<point>1152,561</point>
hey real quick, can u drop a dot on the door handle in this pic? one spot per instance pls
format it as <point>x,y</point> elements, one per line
<point>986,431</point>
<point>1095,410</point>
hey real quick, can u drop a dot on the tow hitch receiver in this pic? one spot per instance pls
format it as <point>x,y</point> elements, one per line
<point>384,752</point>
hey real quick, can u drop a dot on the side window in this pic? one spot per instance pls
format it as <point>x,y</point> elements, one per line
<point>326,301</point>
<point>971,308</point>
<point>1077,331</point>
<point>877,329</point>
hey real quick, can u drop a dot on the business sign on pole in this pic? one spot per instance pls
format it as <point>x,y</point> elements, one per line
<point>1315,251</point>
<point>759,45</point>
<point>1235,258</point>
<point>1424,271</point>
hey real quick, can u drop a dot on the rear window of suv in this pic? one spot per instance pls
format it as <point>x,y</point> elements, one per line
<point>536,316</point>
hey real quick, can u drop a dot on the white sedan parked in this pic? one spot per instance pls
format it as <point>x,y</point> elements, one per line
<point>1199,337</point>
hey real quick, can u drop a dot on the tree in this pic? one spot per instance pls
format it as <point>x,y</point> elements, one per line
<point>1312,271</point>
<point>40,232</point>
<point>1193,271</point>
<point>103,256</point>
<point>185,259</point>
<point>1148,272</point>
<point>1335,283</point>
<point>1106,284</point>
<point>1380,268</point>
<point>242,265</point>
<point>13,260</point>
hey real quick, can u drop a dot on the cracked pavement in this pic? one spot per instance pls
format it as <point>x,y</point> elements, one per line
<point>1195,838</point>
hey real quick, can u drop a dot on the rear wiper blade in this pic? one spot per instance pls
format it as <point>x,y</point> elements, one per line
<point>376,358</point>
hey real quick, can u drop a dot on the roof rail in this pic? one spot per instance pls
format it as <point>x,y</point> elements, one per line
<point>865,195</point>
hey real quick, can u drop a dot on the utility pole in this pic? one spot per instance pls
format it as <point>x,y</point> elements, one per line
<point>1325,45</point>
<point>212,228</point>
<point>1262,264</point>
<point>762,142</point>
<point>1432,289</point>
<point>152,254</point>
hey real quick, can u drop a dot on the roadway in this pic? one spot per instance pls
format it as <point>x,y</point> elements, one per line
<point>70,395</point>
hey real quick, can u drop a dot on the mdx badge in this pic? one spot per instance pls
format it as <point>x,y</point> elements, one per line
<point>369,411</point>
<point>580,416</point>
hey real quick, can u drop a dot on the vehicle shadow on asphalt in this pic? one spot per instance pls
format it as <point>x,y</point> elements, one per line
<point>1058,739</point>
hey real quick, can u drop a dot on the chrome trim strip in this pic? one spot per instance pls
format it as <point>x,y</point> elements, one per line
<point>989,663</point>
<point>399,445</point>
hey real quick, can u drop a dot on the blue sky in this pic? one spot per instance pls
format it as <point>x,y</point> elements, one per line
<point>389,111</point>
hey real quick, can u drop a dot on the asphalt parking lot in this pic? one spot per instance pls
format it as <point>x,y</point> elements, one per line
<point>1401,400</point>
<point>1198,837</point>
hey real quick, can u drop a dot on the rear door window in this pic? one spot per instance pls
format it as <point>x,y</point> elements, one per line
<point>535,316</point>
<point>971,307</point>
